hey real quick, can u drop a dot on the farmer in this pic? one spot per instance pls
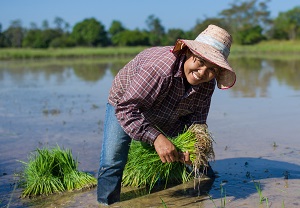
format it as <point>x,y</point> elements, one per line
<point>157,95</point>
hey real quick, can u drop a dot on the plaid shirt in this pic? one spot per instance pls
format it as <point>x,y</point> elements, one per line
<point>150,96</point>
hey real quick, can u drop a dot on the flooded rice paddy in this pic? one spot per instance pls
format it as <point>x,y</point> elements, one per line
<point>255,125</point>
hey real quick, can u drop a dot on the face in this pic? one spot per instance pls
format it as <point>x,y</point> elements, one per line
<point>198,70</point>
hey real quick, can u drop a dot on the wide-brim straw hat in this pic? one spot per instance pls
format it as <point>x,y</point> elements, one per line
<point>213,44</point>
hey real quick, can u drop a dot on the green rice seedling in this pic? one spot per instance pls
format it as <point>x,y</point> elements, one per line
<point>223,198</point>
<point>76,180</point>
<point>53,171</point>
<point>212,200</point>
<point>259,191</point>
<point>144,167</point>
<point>163,203</point>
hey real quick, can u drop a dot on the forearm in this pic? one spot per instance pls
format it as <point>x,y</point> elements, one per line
<point>135,125</point>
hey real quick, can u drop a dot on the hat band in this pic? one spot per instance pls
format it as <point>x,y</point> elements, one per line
<point>214,43</point>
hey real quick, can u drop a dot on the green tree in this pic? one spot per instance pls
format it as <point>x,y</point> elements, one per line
<point>62,42</point>
<point>287,24</point>
<point>172,35</point>
<point>241,15</point>
<point>36,38</point>
<point>156,30</point>
<point>58,21</point>
<point>33,39</point>
<point>50,34</point>
<point>61,24</point>
<point>90,32</point>
<point>33,25</point>
<point>130,38</point>
<point>45,25</point>
<point>116,27</point>
<point>202,25</point>
<point>249,35</point>
<point>14,34</point>
<point>3,39</point>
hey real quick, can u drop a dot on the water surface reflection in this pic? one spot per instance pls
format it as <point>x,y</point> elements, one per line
<point>48,104</point>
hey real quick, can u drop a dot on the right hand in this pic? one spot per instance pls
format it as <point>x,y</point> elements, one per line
<point>184,157</point>
<point>165,149</point>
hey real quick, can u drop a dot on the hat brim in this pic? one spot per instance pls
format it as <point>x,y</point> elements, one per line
<point>227,77</point>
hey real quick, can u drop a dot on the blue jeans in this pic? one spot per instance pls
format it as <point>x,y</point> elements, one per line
<point>115,147</point>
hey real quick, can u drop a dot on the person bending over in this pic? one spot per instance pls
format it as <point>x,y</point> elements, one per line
<point>157,95</point>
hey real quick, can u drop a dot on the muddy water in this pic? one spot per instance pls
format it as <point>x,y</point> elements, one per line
<point>255,125</point>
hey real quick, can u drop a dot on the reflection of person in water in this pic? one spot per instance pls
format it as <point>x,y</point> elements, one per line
<point>157,95</point>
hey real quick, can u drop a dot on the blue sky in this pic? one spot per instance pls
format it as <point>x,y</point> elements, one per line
<point>132,13</point>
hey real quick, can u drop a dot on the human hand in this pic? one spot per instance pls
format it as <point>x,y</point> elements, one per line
<point>165,149</point>
<point>184,157</point>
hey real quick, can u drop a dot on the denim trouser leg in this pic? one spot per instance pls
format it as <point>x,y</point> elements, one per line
<point>114,155</point>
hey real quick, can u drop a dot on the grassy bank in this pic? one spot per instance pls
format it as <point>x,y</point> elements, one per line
<point>268,48</point>
<point>29,53</point>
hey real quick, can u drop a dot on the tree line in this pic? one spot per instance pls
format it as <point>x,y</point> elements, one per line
<point>248,21</point>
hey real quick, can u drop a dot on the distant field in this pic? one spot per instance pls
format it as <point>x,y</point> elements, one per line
<point>29,53</point>
<point>269,49</point>
<point>264,49</point>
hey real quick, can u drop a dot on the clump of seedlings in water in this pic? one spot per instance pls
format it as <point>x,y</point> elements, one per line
<point>144,167</point>
<point>51,171</point>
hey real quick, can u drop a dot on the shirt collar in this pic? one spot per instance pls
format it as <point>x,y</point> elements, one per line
<point>179,68</point>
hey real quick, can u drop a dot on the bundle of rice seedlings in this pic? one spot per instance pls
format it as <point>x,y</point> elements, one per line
<point>72,178</point>
<point>203,147</point>
<point>144,167</point>
<point>39,177</point>
<point>53,171</point>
